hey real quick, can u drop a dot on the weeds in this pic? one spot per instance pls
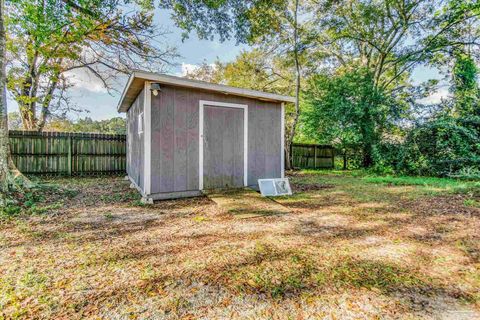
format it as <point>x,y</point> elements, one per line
<point>41,199</point>
<point>355,250</point>
<point>471,203</point>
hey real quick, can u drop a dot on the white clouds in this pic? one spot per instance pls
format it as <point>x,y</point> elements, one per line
<point>82,79</point>
<point>188,68</point>
<point>436,97</point>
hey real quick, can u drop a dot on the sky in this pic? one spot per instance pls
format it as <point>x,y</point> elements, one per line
<point>89,94</point>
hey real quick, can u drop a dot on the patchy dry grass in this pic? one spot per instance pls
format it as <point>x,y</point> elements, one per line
<point>351,247</point>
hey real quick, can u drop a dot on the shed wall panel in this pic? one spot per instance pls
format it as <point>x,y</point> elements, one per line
<point>135,142</point>
<point>175,138</point>
<point>180,140</point>
<point>192,141</point>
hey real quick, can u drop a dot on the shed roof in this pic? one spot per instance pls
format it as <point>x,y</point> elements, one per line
<point>137,79</point>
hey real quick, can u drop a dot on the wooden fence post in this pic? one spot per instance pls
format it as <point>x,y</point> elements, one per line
<point>69,157</point>
<point>333,157</point>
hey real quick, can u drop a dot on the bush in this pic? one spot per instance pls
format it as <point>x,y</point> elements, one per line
<point>386,158</point>
<point>443,147</point>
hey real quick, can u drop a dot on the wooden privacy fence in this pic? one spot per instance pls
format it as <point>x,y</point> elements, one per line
<point>312,156</point>
<point>68,153</point>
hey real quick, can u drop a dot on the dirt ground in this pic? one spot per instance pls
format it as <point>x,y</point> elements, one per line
<point>347,249</point>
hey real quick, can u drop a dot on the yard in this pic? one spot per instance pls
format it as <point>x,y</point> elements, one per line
<point>349,247</point>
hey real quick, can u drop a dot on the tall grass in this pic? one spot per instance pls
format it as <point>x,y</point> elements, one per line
<point>448,184</point>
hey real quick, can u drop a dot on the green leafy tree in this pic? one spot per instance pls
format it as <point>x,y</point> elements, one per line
<point>465,86</point>
<point>282,27</point>
<point>5,164</point>
<point>387,39</point>
<point>48,40</point>
<point>255,69</point>
<point>391,37</point>
<point>207,72</point>
<point>347,110</point>
<point>10,177</point>
<point>277,26</point>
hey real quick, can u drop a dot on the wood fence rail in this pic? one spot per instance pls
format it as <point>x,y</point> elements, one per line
<point>68,153</point>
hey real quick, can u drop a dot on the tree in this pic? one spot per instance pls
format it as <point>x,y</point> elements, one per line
<point>4,145</point>
<point>9,175</point>
<point>48,40</point>
<point>465,86</point>
<point>388,39</point>
<point>282,28</point>
<point>347,110</point>
<point>255,69</point>
<point>207,72</point>
<point>277,26</point>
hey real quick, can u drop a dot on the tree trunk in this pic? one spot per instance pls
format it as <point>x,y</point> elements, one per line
<point>288,157</point>
<point>9,175</point>
<point>297,89</point>
<point>345,160</point>
<point>367,155</point>
<point>4,147</point>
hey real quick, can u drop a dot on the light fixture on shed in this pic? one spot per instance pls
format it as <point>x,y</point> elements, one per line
<point>155,88</point>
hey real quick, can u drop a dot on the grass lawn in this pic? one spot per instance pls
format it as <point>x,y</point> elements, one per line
<point>350,247</point>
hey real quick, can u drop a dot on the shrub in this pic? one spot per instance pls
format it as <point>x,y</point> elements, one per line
<point>443,147</point>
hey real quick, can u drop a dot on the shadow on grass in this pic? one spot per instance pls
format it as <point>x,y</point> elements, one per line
<point>275,274</point>
<point>252,212</point>
<point>317,231</point>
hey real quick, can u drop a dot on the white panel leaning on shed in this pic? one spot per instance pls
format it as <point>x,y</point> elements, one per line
<point>208,94</point>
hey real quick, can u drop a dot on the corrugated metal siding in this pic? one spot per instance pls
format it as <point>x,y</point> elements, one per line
<point>135,142</point>
<point>175,138</point>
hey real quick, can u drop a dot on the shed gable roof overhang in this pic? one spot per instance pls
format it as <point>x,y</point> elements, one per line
<point>137,79</point>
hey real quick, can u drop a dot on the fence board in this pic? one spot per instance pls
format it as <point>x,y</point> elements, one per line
<point>66,153</point>
<point>312,156</point>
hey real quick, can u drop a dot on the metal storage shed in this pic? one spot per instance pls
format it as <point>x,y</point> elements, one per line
<point>185,136</point>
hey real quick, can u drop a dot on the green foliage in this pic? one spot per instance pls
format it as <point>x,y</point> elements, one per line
<point>255,69</point>
<point>115,125</point>
<point>40,199</point>
<point>347,110</point>
<point>430,185</point>
<point>467,173</point>
<point>440,148</point>
<point>465,86</point>
<point>49,40</point>
<point>242,20</point>
<point>387,40</point>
